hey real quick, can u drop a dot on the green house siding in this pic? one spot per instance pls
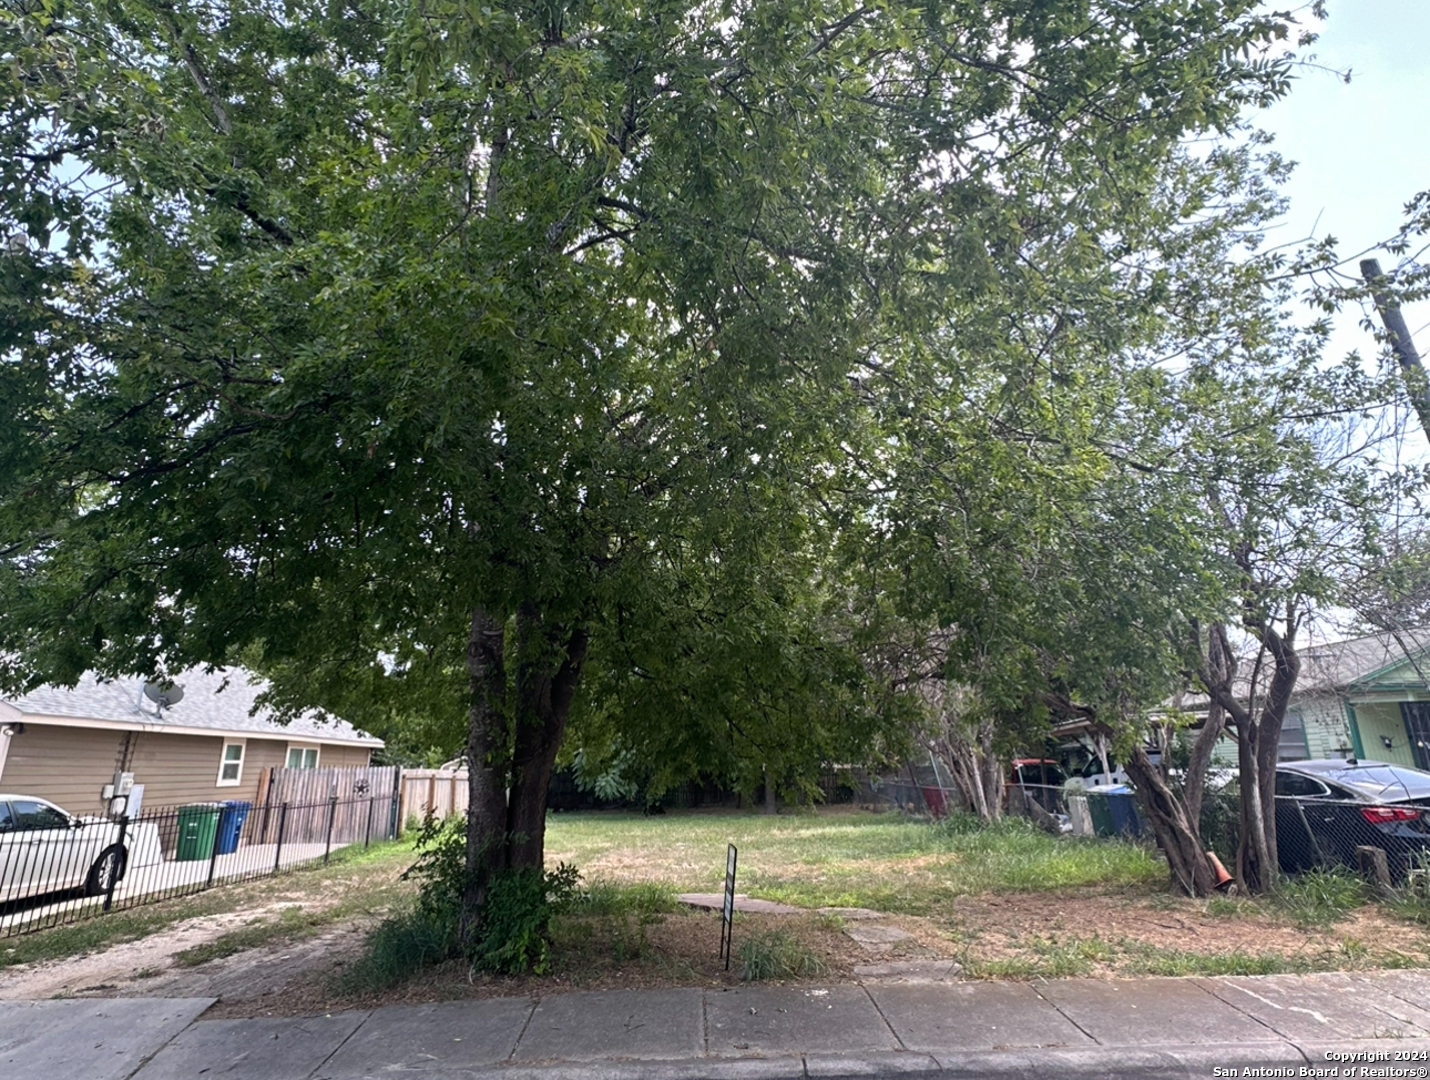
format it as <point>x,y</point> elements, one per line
<point>1325,721</point>
<point>1377,719</point>
<point>1224,753</point>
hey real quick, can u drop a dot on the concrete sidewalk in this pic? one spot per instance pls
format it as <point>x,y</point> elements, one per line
<point>1073,1027</point>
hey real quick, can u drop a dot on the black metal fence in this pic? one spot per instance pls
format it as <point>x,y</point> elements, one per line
<point>55,869</point>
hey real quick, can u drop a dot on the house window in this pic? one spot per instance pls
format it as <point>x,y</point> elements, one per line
<point>1292,746</point>
<point>302,757</point>
<point>230,766</point>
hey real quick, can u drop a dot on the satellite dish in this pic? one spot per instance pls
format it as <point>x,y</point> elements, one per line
<point>164,694</point>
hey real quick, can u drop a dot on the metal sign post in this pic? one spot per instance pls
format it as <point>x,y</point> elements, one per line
<point>727,910</point>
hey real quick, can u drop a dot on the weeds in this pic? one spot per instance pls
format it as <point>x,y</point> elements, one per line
<point>1231,907</point>
<point>775,954</point>
<point>1146,960</point>
<point>1321,897</point>
<point>1051,959</point>
<point>401,945</point>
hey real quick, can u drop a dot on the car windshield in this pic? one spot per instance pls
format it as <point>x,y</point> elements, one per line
<point>7,822</point>
<point>1040,772</point>
<point>38,815</point>
<point>1384,781</point>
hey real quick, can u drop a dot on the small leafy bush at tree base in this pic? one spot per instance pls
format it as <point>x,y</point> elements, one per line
<point>775,954</point>
<point>513,935</point>
<point>513,927</point>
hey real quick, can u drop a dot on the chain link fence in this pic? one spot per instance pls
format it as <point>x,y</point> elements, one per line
<point>55,868</point>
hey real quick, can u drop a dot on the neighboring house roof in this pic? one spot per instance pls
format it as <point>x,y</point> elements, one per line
<point>1334,667</point>
<point>218,702</point>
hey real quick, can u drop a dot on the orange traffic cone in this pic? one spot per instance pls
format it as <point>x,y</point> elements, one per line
<point>1223,879</point>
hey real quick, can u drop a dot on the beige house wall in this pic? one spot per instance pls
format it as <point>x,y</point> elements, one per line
<point>70,765</point>
<point>345,757</point>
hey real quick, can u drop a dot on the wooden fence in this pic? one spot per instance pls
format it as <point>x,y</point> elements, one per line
<point>363,800</point>
<point>438,792</point>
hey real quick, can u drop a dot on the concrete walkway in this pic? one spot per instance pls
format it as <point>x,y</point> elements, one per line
<point>1074,1027</point>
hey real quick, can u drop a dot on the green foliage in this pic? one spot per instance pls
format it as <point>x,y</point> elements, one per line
<point>1320,897</point>
<point>397,948</point>
<point>775,954</point>
<point>1220,824</point>
<point>514,932</point>
<point>441,869</point>
<point>512,925</point>
<point>551,312</point>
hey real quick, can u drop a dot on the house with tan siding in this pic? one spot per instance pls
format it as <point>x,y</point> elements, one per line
<point>215,743</point>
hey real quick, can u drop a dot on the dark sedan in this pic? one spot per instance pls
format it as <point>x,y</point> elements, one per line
<point>1326,809</point>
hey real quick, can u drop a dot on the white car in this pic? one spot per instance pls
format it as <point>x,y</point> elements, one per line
<point>43,849</point>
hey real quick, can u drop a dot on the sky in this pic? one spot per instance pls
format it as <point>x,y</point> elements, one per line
<point>1361,147</point>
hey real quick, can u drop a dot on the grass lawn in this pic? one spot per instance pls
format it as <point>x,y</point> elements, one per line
<point>1006,902</point>
<point>843,859</point>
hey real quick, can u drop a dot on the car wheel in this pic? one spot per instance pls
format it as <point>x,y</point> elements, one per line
<point>107,869</point>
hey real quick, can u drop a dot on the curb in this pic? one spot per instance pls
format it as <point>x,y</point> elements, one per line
<point>1146,1062</point>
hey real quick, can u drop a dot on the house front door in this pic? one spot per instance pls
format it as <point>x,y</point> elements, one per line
<point>1417,726</point>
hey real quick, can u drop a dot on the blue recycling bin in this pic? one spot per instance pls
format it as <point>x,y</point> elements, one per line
<point>230,825</point>
<point>1122,806</point>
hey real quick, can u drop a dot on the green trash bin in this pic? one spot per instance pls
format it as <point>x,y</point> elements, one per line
<point>1102,823</point>
<point>198,829</point>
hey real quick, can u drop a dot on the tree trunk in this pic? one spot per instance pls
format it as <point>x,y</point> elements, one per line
<point>1254,866</point>
<point>509,764</point>
<point>975,768</point>
<point>486,765</point>
<point>1221,665</point>
<point>1258,735</point>
<point>544,703</point>
<point>1190,869</point>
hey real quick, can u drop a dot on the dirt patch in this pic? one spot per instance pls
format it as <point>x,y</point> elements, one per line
<point>118,967</point>
<point>336,907</point>
<point>1028,926</point>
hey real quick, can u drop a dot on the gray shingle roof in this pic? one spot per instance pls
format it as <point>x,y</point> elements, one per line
<point>1334,666</point>
<point>221,701</point>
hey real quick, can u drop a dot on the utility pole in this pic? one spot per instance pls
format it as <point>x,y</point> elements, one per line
<point>1410,366</point>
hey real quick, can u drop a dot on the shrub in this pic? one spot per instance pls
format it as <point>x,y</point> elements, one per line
<point>512,927</point>
<point>513,935</point>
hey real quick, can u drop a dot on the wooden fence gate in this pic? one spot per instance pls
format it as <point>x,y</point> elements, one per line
<point>362,802</point>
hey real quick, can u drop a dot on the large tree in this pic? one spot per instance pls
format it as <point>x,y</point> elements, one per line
<point>383,339</point>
